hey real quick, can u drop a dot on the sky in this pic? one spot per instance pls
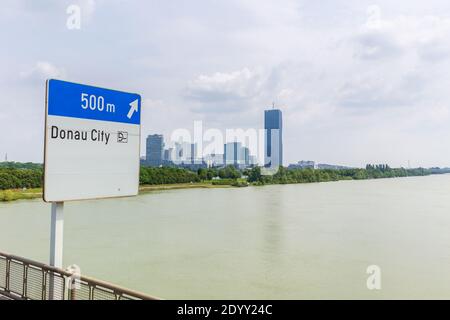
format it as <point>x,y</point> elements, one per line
<point>358,81</point>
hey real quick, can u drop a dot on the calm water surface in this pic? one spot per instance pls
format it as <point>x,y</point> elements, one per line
<point>283,241</point>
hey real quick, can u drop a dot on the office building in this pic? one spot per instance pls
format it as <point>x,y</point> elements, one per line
<point>168,154</point>
<point>195,157</point>
<point>214,160</point>
<point>183,153</point>
<point>273,125</point>
<point>154,150</point>
<point>231,153</point>
<point>246,156</point>
<point>236,155</point>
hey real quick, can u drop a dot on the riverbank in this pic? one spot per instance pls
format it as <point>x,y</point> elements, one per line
<point>193,185</point>
<point>36,193</point>
<point>20,194</point>
<point>27,194</point>
<point>253,177</point>
<point>24,181</point>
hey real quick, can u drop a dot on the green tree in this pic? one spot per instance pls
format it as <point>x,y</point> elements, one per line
<point>254,175</point>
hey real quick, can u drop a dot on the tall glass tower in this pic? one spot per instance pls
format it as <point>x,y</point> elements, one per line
<point>155,150</point>
<point>273,125</point>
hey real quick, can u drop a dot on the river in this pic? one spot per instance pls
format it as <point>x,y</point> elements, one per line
<point>305,241</point>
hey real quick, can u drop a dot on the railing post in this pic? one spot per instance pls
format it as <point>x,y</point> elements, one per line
<point>44,284</point>
<point>25,281</point>
<point>8,274</point>
<point>72,294</point>
<point>72,289</point>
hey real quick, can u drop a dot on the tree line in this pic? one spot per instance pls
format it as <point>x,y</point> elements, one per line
<point>170,175</point>
<point>308,175</point>
<point>28,175</point>
<point>11,178</point>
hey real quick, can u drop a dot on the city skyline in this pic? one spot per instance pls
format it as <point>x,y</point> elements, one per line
<point>241,150</point>
<point>187,154</point>
<point>358,83</point>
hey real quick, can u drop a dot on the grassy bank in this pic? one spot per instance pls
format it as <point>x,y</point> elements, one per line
<point>35,193</point>
<point>20,194</point>
<point>154,187</point>
<point>25,194</point>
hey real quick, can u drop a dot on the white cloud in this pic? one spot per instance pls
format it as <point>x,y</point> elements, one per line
<point>399,60</point>
<point>43,70</point>
<point>223,86</point>
<point>425,36</point>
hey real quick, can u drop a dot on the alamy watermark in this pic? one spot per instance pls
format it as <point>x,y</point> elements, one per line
<point>73,282</point>
<point>374,280</point>
<point>73,21</point>
<point>232,146</point>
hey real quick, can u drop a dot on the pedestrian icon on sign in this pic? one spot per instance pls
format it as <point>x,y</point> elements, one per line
<point>122,137</point>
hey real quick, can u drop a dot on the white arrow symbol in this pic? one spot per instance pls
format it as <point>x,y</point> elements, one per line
<point>133,109</point>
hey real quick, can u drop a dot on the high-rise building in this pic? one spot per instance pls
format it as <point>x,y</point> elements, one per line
<point>155,150</point>
<point>273,125</point>
<point>236,155</point>
<point>232,153</point>
<point>182,154</point>
<point>214,160</point>
<point>246,156</point>
<point>168,154</point>
<point>194,156</point>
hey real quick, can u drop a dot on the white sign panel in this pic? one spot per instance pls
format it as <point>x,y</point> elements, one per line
<point>92,142</point>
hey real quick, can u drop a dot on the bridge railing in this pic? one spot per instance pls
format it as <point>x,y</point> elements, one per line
<point>24,279</point>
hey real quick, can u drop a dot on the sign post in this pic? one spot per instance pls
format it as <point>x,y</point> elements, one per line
<point>91,150</point>
<point>56,234</point>
<point>56,244</point>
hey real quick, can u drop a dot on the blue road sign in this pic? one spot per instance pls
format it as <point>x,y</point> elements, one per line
<point>67,99</point>
<point>92,142</point>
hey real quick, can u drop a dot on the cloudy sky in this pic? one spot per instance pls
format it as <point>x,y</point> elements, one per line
<point>358,81</point>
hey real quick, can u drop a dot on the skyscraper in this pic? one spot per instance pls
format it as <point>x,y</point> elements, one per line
<point>193,154</point>
<point>168,154</point>
<point>231,153</point>
<point>155,150</point>
<point>236,155</point>
<point>273,125</point>
<point>183,151</point>
<point>246,156</point>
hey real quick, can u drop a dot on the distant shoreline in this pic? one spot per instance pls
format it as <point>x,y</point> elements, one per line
<point>36,193</point>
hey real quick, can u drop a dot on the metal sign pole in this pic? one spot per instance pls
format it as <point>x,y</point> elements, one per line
<point>56,235</point>
<point>56,246</point>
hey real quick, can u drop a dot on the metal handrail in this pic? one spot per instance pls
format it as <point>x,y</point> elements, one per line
<point>50,283</point>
